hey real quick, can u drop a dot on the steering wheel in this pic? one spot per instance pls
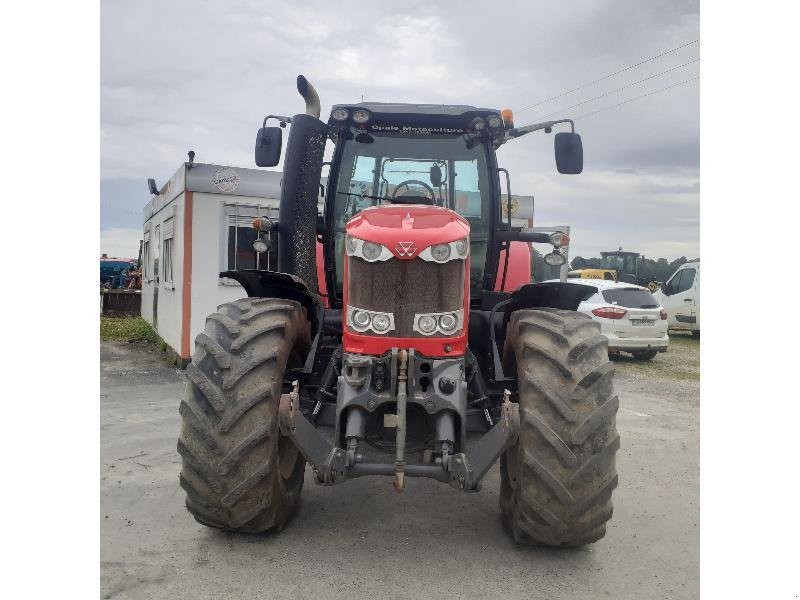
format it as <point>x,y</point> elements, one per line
<point>413,199</point>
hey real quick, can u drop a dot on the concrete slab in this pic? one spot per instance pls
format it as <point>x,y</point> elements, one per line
<point>362,539</point>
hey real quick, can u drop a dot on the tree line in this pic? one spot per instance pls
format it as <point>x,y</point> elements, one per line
<point>659,269</point>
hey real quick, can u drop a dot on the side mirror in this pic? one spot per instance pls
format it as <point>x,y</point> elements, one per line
<point>268,146</point>
<point>569,153</point>
<point>151,183</point>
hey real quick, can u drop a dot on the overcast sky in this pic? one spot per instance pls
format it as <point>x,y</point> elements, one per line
<point>202,75</point>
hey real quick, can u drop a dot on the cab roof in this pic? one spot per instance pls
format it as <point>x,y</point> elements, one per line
<point>393,108</point>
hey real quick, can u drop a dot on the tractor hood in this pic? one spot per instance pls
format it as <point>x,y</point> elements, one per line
<point>407,229</point>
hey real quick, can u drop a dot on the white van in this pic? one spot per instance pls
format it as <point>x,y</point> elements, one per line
<point>680,297</point>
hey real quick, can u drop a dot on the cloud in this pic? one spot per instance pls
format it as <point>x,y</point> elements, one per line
<point>120,242</point>
<point>201,75</point>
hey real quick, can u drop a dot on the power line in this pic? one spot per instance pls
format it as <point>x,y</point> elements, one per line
<point>654,92</point>
<point>624,87</point>
<point>604,77</point>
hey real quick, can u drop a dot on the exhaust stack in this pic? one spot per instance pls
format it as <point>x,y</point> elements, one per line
<point>310,95</point>
<point>302,168</point>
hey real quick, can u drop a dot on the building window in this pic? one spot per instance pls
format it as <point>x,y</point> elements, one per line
<point>146,257</point>
<point>168,252</point>
<point>238,252</point>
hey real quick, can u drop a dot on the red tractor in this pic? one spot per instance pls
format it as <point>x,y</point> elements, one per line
<point>405,354</point>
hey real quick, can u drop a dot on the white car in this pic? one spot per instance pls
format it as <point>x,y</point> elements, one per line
<point>680,296</point>
<point>629,316</point>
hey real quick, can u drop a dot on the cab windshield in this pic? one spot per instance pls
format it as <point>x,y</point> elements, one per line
<point>439,170</point>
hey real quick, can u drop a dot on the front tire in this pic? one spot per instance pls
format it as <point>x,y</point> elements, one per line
<point>556,482</point>
<point>238,472</point>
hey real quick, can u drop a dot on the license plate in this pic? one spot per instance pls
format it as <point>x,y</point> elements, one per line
<point>640,322</point>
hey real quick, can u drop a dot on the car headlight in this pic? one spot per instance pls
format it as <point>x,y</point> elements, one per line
<point>446,323</point>
<point>362,320</point>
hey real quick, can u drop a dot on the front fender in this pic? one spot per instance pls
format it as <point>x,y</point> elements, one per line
<point>271,284</point>
<point>552,294</point>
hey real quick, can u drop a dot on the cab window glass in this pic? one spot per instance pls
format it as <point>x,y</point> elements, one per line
<point>674,282</point>
<point>686,280</point>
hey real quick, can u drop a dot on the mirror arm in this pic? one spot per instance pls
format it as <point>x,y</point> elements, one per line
<point>524,234</point>
<point>282,121</point>
<point>546,125</point>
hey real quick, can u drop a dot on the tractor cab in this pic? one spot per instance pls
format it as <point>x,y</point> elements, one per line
<point>416,155</point>
<point>625,263</point>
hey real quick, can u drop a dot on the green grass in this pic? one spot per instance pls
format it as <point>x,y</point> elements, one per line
<point>127,329</point>
<point>681,361</point>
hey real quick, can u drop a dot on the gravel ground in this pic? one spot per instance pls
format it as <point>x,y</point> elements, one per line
<point>362,539</point>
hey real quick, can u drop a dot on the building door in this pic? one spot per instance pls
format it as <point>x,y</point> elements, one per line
<point>156,278</point>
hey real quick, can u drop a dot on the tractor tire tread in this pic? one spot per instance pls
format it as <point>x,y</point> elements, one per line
<point>228,444</point>
<point>557,482</point>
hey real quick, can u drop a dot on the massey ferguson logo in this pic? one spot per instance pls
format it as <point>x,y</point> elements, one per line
<point>406,249</point>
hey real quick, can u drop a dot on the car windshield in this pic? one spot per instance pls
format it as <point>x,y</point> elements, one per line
<point>630,298</point>
<point>442,170</point>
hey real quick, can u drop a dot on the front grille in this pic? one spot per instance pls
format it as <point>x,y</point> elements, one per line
<point>406,287</point>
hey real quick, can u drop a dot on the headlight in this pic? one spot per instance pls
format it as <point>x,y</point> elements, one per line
<point>426,324</point>
<point>444,323</point>
<point>555,259</point>
<point>339,114</point>
<point>443,252</point>
<point>371,251</point>
<point>448,322</point>
<point>361,116</point>
<point>559,238</point>
<point>494,121</point>
<point>380,322</point>
<point>361,320</point>
<point>440,252</point>
<point>478,124</point>
<point>260,245</point>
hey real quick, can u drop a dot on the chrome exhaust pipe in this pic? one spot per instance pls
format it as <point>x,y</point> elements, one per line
<point>310,95</point>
